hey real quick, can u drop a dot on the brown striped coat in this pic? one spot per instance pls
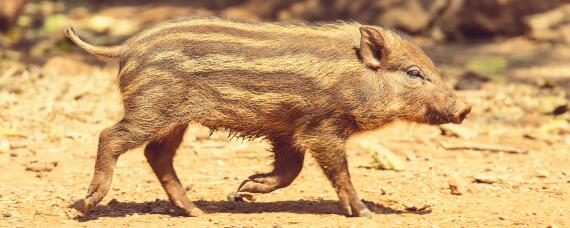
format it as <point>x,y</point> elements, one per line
<point>303,87</point>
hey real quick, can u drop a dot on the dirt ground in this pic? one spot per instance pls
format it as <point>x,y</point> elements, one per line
<point>52,114</point>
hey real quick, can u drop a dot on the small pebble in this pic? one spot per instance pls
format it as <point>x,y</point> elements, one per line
<point>234,197</point>
<point>7,215</point>
<point>502,217</point>
<point>188,187</point>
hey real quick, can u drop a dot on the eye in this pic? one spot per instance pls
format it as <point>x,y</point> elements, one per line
<point>414,73</point>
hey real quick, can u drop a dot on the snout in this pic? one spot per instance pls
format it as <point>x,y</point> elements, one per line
<point>462,110</point>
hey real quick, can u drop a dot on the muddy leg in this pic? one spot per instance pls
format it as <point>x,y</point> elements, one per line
<point>286,167</point>
<point>113,142</point>
<point>159,154</point>
<point>327,147</point>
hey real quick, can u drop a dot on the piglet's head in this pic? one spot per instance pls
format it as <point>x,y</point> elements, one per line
<point>410,86</point>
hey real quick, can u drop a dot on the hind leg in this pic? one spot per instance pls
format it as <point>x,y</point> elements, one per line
<point>113,142</point>
<point>159,154</point>
<point>286,167</point>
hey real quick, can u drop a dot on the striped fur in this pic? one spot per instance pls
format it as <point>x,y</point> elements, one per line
<point>320,55</point>
<point>303,87</point>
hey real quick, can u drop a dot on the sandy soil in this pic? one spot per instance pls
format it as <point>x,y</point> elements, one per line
<point>57,111</point>
<point>51,115</point>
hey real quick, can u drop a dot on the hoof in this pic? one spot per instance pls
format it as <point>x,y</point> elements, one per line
<point>364,213</point>
<point>86,206</point>
<point>193,212</point>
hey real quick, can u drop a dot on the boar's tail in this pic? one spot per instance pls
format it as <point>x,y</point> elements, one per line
<point>107,52</point>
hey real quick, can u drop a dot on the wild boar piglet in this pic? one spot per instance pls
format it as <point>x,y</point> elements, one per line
<point>302,87</point>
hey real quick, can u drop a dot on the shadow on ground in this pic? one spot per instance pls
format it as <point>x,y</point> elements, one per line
<point>123,209</point>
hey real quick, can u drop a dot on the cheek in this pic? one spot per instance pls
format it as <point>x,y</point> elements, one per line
<point>399,83</point>
<point>413,88</point>
<point>418,95</point>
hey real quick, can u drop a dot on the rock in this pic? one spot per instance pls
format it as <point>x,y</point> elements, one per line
<point>188,187</point>
<point>7,215</point>
<point>241,197</point>
<point>458,130</point>
<point>502,217</point>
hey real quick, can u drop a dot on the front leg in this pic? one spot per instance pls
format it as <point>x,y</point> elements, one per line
<point>326,143</point>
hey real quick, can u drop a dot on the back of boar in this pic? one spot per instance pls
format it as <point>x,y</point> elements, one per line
<point>254,77</point>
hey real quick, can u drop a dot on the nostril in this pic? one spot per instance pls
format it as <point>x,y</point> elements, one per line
<point>464,113</point>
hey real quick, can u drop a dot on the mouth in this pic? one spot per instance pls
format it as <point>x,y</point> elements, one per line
<point>433,117</point>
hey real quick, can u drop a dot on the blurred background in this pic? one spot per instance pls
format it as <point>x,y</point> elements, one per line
<point>509,58</point>
<point>32,27</point>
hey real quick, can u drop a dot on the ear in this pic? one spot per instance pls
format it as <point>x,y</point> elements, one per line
<point>372,47</point>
